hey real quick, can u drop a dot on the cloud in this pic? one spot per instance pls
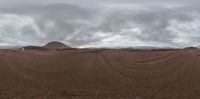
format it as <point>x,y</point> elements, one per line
<point>16,29</point>
<point>104,25</point>
<point>188,33</point>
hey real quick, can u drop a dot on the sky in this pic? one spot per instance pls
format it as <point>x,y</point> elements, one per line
<point>100,23</point>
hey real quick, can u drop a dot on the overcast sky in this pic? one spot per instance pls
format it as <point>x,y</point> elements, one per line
<point>100,23</point>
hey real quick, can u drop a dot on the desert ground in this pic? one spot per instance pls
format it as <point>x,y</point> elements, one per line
<point>70,73</point>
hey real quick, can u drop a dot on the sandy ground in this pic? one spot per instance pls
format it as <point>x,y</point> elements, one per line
<point>100,74</point>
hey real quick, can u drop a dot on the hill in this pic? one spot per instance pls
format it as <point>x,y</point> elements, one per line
<point>56,45</point>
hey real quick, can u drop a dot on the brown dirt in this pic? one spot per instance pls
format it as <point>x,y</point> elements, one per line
<point>100,74</point>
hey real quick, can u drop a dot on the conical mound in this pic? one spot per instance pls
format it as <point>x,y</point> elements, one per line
<point>56,45</point>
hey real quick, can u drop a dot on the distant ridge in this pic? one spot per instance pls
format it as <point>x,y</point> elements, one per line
<point>10,47</point>
<point>56,45</point>
<point>34,48</point>
<point>191,48</point>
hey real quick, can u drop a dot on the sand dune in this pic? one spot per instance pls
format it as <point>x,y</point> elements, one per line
<point>100,74</point>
